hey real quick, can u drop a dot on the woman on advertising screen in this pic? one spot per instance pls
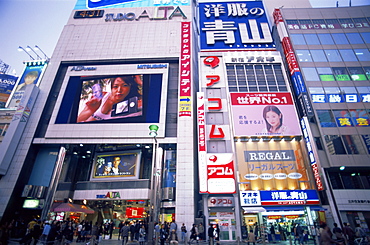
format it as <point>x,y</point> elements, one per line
<point>100,106</point>
<point>274,121</point>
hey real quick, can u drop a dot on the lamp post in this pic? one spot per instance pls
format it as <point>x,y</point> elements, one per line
<point>155,183</point>
<point>38,48</point>
<point>28,48</point>
<point>22,49</point>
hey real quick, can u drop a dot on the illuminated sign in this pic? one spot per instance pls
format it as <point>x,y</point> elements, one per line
<point>340,98</point>
<point>274,216</point>
<point>253,57</point>
<point>202,147</point>
<point>185,99</point>
<point>31,203</point>
<point>158,13</point>
<point>152,66</point>
<point>7,83</point>
<point>287,155</point>
<point>250,198</point>
<point>264,114</point>
<point>220,169</point>
<point>99,4</point>
<point>234,26</point>
<point>321,24</point>
<point>220,202</point>
<point>88,14</point>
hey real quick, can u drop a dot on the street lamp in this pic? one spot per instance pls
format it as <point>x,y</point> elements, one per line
<point>28,48</point>
<point>22,49</point>
<point>155,183</point>
<point>38,48</point>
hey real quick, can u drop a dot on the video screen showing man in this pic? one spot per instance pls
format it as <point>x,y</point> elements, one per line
<point>116,166</point>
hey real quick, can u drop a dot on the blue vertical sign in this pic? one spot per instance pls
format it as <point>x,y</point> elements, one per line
<point>241,25</point>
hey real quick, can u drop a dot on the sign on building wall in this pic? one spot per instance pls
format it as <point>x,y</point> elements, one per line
<point>103,4</point>
<point>264,114</point>
<point>241,25</point>
<point>7,83</point>
<point>185,71</point>
<point>220,173</point>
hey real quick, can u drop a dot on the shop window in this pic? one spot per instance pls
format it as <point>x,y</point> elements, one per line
<point>362,54</point>
<point>341,74</point>
<point>353,144</point>
<point>340,38</point>
<point>343,118</point>
<point>326,118</point>
<point>311,39</point>
<point>318,55</point>
<point>304,55</point>
<point>325,73</point>
<point>348,55</point>
<point>325,39</point>
<point>354,38</point>
<point>333,55</point>
<point>334,144</point>
<point>365,36</point>
<point>310,74</point>
<point>357,73</point>
<point>298,39</point>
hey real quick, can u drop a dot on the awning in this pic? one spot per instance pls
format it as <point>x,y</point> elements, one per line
<point>70,207</point>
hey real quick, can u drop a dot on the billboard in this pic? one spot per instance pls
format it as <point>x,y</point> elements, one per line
<point>7,83</point>
<point>131,98</point>
<point>220,173</point>
<point>116,165</point>
<point>103,4</point>
<point>31,75</point>
<point>264,114</point>
<point>241,25</point>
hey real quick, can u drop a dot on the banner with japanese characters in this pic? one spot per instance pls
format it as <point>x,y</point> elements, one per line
<point>230,25</point>
<point>185,71</point>
<point>264,114</point>
<point>220,173</point>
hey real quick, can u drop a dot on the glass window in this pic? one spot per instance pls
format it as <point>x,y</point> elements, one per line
<point>363,90</point>
<point>366,36</point>
<point>325,39</point>
<point>341,74</point>
<point>316,90</point>
<point>298,39</point>
<point>310,74</point>
<point>343,118</point>
<point>334,144</point>
<point>362,54</point>
<point>367,71</point>
<point>333,23</point>
<point>325,73</point>
<point>318,143</point>
<point>319,23</point>
<point>346,23</point>
<point>326,118</point>
<point>312,39</point>
<point>353,144</point>
<point>360,117</point>
<point>336,181</point>
<point>354,38</point>
<point>303,55</point>
<point>348,55</point>
<point>332,90</point>
<point>333,55</point>
<point>357,73</point>
<point>305,24</point>
<point>340,38</point>
<point>318,55</point>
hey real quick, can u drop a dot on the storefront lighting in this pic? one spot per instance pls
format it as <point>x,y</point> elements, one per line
<point>75,153</point>
<point>342,167</point>
<point>353,174</point>
<point>138,145</point>
<point>84,201</point>
<point>22,49</point>
<point>81,145</point>
<point>153,130</point>
<point>88,152</point>
<point>70,200</point>
<point>147,147</point>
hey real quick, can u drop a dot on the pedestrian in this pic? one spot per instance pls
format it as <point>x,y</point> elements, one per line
<point>325,237</point>
<point>194,234</point>
<point>121,224</point>
<point>163,234</point>
<point>173,225</point>
<point>201,231</point>
<point>251,237</point>
<point>349,233</point>
<point>157,228</point>
<point>68,233</point>
<point>256,230</point>
<point>142,235</point>
<point>124,233</point>
<point>272,233</point>
<point>359,232</point>
<point>111,229</point>
<point>173,238</point>
<point>338,232</point>
<point>216,233</point>
<point>183,232</point>
<point>298,234</point>
<point>210,234</point>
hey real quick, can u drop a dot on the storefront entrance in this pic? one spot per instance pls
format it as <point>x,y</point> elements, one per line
<point>226,222</point>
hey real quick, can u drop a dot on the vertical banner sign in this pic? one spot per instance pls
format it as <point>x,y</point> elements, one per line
<point>185,71</point>
<point>221,177</point>
<point>202,149</point>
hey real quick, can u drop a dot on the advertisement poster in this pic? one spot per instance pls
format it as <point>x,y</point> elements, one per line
<point>7,83</point>
<point>31,75</point>
<point>264,114</point>
<point>110,98</point>
<point>125,164</point>
<point>220,173</point>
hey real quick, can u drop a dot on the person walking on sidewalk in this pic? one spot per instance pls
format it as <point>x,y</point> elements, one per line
<point>124,233</point>
<point>210,234</point>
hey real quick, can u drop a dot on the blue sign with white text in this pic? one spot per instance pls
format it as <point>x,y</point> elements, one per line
<point>241,25</point>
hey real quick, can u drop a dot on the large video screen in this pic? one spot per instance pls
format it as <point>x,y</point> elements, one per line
<point>117,165</point>
<point>131,98</point>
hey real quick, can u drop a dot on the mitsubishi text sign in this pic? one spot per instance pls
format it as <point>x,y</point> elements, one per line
<point>241,25</point>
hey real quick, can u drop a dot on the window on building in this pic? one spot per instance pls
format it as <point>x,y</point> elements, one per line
<point>341,74</point>
<point>298,39</point>
<point>325,73</point>
<point>367,72</point>
<point>311,39</point>
<point>362,54</point>
<point>360,117</point>
<point>348,55</point>
<point>365,36</point>
<point>357,73</point>
<point>303,55</point>
<point>318,55</point>
<point>326,118</point>
<point>334,144</point>
<point>342,118</point>
<point>340,38</point>
<point>318,143</point>
<point>349,178</point>
<point>310,74</point>
<point>354,38</point>
<point>325,39</point>
<point>333,55</point>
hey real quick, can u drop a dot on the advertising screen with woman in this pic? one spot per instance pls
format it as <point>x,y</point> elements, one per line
<point>264,114</point>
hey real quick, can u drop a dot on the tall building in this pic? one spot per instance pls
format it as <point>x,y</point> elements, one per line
<point>194,112</point>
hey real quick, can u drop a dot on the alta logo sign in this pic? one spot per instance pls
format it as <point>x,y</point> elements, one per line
<point>101,3</point>
<point>110,194</point>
